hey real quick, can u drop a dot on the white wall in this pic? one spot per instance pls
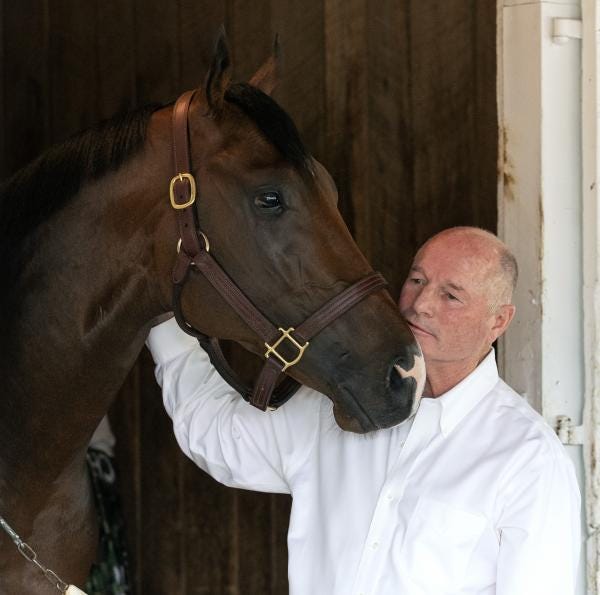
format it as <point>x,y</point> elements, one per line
<point>540,209</point>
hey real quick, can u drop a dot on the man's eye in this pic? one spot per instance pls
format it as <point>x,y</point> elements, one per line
<point>451,297</point>
<point>417,281</point>
<point>269,202</point>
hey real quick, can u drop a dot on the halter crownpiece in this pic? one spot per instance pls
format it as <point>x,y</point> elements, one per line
<point>192,253</point>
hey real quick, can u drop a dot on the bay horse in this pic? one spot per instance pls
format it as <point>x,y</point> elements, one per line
<point>87,246</point>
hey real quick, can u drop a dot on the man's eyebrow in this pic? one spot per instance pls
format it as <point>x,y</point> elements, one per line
<point>455,287</point>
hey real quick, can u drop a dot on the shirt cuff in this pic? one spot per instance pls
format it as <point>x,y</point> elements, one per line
<point>166,341</point>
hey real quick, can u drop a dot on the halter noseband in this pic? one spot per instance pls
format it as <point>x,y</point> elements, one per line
<point>194,253</point>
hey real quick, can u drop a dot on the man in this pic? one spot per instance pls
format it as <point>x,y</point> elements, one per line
<point>473,495</point>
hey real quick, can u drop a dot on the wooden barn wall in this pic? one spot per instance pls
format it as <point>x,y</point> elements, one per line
<point>395,97</point>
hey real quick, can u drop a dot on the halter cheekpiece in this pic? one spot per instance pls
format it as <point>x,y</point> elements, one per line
<point>193,252</point>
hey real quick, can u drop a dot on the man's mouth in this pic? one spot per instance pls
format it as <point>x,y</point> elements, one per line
<point>419,330</point>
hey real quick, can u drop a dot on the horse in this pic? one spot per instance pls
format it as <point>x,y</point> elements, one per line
<point>86,252</point>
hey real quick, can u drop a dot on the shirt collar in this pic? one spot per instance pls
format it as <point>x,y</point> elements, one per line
<point>460,399</point>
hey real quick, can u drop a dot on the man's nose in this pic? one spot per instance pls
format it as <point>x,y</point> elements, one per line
<point>423,303</point>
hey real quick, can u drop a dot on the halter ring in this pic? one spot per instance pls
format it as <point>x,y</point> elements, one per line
<point>206,243</point>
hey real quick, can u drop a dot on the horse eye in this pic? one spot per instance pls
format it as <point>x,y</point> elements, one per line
<point>268,201</point>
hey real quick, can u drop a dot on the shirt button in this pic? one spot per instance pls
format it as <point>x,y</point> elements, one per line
<point>390,497</point>
<point>375,545</point>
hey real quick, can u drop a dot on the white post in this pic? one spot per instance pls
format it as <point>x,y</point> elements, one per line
<point>540,209</point>
<point>591,278</point>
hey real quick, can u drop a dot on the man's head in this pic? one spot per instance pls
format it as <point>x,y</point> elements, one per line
<point>458,295</point>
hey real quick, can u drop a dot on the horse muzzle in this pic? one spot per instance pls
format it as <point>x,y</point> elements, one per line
<point>402,391</point>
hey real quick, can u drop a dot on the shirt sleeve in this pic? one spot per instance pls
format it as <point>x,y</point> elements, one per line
<point>540,525</point>
<point>234,442</point>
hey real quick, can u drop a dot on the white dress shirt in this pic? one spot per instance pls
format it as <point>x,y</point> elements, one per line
<point>473,496</point>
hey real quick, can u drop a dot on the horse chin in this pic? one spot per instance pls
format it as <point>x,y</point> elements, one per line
<point>347,422</point>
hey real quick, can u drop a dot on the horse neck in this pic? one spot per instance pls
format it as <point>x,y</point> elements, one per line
<point>87,295</point>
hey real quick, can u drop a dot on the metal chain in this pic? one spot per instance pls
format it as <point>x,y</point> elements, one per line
<point>29,554</point>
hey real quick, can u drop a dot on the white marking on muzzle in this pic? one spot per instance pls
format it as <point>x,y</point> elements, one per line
<point>418,373</point>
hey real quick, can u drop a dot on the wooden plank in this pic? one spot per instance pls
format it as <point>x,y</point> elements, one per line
<point>346,113</point>
<point>25,84</point>
<point>114,24</point>
<point>301,93</point>
<point>250,35</point>
<point>199,24</point>
<point>156,51</point>
<point>391,157</point>
<point>444,73</point>
<point>210,561</point>
<point>280,519</point>
<point>72,67</point>
<point>253,534</point>
<point>427,135</point>
<point>484,133</point>
<point>442,97</point>
<point>3,86</point>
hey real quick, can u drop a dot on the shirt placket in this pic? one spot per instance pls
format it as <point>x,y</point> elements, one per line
<point>376,549</point>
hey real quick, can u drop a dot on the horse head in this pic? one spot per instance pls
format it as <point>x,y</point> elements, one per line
<point>269,211</point>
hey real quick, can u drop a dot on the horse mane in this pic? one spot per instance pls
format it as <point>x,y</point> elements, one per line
<point>33,194</point>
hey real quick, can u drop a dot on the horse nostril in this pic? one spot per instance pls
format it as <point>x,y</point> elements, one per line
<point>406,361</point>
<point>410,375</point>
<point>396,381</point>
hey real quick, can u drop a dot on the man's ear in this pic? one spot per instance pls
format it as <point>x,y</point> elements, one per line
<point>267,76</point>
<point>502,318</point>
<point>219,74</point>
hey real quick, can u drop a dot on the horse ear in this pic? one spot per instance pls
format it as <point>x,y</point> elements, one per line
<point>219,74</point>
<point>267,76</point>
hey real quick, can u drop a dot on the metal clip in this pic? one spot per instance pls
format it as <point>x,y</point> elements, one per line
<point>568,433</point>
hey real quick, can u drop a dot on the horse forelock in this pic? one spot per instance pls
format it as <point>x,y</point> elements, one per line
<point>272,122</point>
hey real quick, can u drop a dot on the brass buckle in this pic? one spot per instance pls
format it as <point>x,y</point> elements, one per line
<point>272,349</point>
<point>192,181</point>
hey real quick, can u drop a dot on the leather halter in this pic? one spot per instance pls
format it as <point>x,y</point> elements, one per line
<point>195,254</point>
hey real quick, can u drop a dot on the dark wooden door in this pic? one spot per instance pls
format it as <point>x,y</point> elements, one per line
<point>397,98</point>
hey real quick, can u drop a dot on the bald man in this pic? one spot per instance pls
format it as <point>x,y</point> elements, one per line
<point>473,495</point>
